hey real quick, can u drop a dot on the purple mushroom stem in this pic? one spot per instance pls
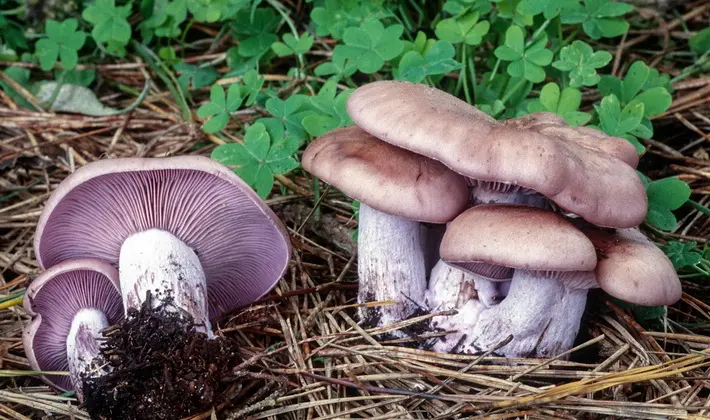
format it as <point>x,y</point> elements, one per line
<point>391,262</point>
<point>83,345</point>
<point>156,261</point>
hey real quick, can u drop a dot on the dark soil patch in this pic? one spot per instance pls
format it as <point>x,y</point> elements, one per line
<point>162,367</point>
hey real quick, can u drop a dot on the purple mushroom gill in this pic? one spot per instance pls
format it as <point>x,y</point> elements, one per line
<point>70,304</point>
<point>187,224</point>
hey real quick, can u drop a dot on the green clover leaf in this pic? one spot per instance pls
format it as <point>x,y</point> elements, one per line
<point>290,113</point>
<point>438,59</point>
<point>371,45</point>
<point>664,196</point>
<point>682,254</point>
<point>110,24</point>
<point>335,16</point>
<point>293,46</point>
<point>265,152</point>
<point>329,110</point>
<point>549,8</point>
<point>195,77</point>
<point>220,106</point>
<point>527,62</point>
<point>581,62</point>
<point>338,68</point>
<point>599,18</point>
<point>63,41</point>
<point>465,28</point>
<point>640,83</point>
<point>165,19</point>
<point>508,9</point>
<point>255,32</point>
<point>564,103</point>
<point>458,7</point>
<point>700,42</point>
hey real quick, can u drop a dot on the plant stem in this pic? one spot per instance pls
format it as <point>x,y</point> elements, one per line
<point>462,74</point>
<point>515,88</point>
<point>699,207</point>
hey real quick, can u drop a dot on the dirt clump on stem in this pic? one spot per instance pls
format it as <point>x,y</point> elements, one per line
<point>161,367</point>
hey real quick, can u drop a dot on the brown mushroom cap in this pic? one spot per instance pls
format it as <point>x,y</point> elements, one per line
<point>581,180</point>
<point>518,237</point>
<point>554,125</point>
<point>632,268</point>
<point>385,177</point>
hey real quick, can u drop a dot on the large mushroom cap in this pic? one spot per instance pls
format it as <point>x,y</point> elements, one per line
<point>518,237</point>
<point>385,177</point>
<point>580,179</point>
<point>632,268</point>
<point>54,298</point>
<point>242,245</point>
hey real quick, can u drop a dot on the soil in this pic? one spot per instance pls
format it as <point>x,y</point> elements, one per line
<point>162,367</point>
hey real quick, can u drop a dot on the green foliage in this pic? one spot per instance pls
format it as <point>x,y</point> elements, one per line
<point>426,59</point>
<point>221,104</point>
<point>682,254</point>
<point>465,28</point>
<point>700,42</point>
<point>266,151</point>
<point>63,42</point>
<point>370,45</point>
<point>582,63</point>
<point>195,77</point>
<point>664,196</point>
<point>525,60</point>
<point>599,18</point>
<point>165,19</point>
<point>293,46</point>
<point>564,103</point>
<point>110,24</point>
<point>255,31</point>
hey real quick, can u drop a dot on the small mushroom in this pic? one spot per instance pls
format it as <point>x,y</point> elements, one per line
<point>397,191</point>
<point>553,262</point>
<point>185,227</point>
<point>581,177</point>
<point>632,268</point>
<point>70,304</point>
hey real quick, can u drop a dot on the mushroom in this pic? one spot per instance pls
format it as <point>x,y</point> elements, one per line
<point>632,268</point>
<point>70,304</point>
<point>185,228</point>
<point>579,176</point>
<point>397,191</point>
<point>553,262</point>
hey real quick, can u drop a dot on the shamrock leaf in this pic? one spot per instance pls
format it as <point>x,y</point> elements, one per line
<point>195,77</point>
<point>290,113</point>
<point>549,8</point>
<point>527,62</point>
<point>465,28</point>
<point>63,41</point>
<point>682,254</point>
<point>339,67</point>
<point>700,42</point>
<point>252,86</point>
<point>109,22</point>
<point>371,45</point>
<point>438,59</point>
<point>457,7</point>
<point>165,19</point>
<point>664,196</point>
<point>508,9</point>
<point>76,77</point>
<point>265,152</point>
<point>581,62</point>
<point>329,110</point>
<point>335,16</point>
<point>565,103</point>
<point>255,31</point>
<point>640,83</point>
<point>220,106</point>
<point>599,18</point>
<point>22,77</point>
<point>214,10</point>
<point>293,46</point>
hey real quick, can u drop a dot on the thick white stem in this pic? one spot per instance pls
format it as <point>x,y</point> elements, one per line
<point>83,346</point>
<point>157,261</point>
<point>451,288</point>
<point>541,313</point>
<point>391,265</point>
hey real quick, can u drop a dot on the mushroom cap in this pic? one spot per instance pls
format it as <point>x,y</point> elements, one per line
<point>517,237</point>
<point>386,178</point>
<point>54,298</point>
<point>580,179</point>
<point>554,125</point>
<point>632,268</point>
<point>243,247</point>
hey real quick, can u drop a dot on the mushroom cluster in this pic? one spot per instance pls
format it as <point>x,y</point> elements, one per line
<point>510,223</point>
<point>120,234</point>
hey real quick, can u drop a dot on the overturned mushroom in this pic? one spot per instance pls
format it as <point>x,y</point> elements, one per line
<point>553,262</point>
<point>70,304</point>
<point>397,191</point>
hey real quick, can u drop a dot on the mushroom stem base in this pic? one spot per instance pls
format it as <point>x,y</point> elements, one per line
<point>391,266</point>
<point>83,346</point>
<point>540,312</point>
<point>156,261</point>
